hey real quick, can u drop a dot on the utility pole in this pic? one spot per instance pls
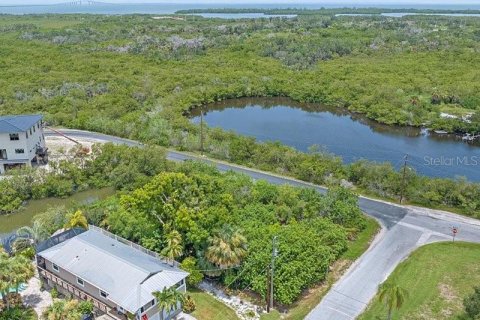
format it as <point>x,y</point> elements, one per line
<point>201,131</point>
<point>404,176</point>
<point>268,290</point>
<point>272,268</point>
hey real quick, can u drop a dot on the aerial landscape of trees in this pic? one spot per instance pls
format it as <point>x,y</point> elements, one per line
<point>140,77</point>
<point>225,222</point>
<point>220,225</point>
<point>137,76</point>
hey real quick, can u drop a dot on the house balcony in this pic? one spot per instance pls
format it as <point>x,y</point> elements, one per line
<point>81,295</point>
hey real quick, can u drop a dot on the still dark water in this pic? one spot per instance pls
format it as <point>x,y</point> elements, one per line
<point>345,134</point>
<point>23,217</point>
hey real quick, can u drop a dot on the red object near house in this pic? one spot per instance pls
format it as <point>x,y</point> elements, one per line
<point>144,317</point>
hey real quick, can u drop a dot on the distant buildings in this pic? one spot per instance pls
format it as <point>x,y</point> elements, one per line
<point>117,275</point>
<point>21,141</point>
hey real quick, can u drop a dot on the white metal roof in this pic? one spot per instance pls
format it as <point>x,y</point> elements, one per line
<point>128,275</point>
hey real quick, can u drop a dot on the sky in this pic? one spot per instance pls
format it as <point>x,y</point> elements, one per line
<point>346,2</point>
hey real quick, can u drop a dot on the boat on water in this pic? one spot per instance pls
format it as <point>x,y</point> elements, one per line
<point>440,131</point>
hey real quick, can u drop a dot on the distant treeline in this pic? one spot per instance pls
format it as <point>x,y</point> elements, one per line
<point>325,11</point>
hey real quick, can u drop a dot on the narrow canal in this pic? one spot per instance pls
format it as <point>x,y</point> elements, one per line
<point>23,217</point>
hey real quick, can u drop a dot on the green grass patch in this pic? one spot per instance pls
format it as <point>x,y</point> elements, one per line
<point>437,277</point>
<point>360,245</point>
<point>313,297</point>
<point>273,315</point>
<point>209,308</point>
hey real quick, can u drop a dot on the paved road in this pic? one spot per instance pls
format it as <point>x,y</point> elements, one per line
<point>405,228</point>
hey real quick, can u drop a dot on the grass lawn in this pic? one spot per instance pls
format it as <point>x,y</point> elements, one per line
<point>437,277</point>
<point>209,308</point>
<point>311,298</point>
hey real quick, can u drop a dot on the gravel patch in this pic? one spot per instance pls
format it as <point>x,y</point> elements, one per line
<point>36,298</point>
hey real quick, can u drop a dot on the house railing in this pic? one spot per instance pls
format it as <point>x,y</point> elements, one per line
<point>134,245</point>
<point>80,294</point>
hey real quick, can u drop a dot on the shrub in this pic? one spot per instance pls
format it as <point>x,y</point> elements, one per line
<point>189,305</point>
<point>54,292</point>
<point>85,307</point>
<point>189,264</point>
<point>472,304</point>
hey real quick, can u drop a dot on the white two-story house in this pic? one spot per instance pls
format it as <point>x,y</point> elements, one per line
<point>21,141</point>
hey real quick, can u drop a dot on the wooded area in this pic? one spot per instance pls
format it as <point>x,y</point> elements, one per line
<point>137,77</point>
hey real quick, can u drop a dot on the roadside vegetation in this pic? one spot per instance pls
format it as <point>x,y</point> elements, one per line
<point>137,77</point>
<point>219,225</point>
<point>437,281</point>
<point>311,297</point>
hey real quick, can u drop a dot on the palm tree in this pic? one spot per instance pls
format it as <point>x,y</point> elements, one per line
<point>227,248</point>
<point>14,271</point>
<point>63,310</point>
<point>174,247</point>
<point>4,280</point>
<point>168,299</point>
<point>77,220</point>
<point>29,236</point>
<point>393,296</point>
<point>21,271</point>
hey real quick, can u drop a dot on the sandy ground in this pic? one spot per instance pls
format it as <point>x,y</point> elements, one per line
<point>59,146</point>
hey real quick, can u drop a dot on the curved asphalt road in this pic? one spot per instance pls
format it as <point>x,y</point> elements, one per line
<point>405,228</point>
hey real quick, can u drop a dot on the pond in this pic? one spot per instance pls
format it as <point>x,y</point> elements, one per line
<point>345,134</point>
<point>23,217</point>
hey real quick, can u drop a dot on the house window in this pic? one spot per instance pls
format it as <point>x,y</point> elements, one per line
<point>14,137</point>
<point>19,151</point>
<point>30,131</point>
<point>26,134</point>
<point>103,294</point>
<point>80,282</point>
<point>55,267</point>
<point>34,129</point>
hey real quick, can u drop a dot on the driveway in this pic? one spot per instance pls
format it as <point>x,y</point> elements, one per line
<point>404,228</point>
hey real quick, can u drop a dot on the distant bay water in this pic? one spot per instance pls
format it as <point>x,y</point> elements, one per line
<point>170,8</point>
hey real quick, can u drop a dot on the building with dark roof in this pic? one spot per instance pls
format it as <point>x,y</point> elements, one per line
<point>22,142</point>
